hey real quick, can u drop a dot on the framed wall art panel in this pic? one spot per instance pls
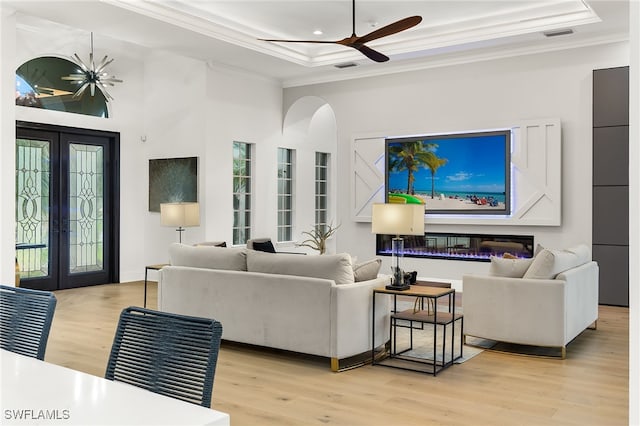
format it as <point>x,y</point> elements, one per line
<point>172,180</point>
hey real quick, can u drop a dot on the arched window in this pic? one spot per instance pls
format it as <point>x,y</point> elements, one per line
<point>39,84</point>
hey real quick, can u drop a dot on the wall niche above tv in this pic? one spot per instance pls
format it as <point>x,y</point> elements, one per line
<point>458,173</point>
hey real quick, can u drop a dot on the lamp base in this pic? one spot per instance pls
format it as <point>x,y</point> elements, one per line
<point>398,287</point>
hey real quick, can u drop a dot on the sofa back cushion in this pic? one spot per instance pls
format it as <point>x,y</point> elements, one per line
<point>366,271</point>
<point>336,267</point>
<point>549,263</point>
<point>210,257</point>
<point>211,243</point>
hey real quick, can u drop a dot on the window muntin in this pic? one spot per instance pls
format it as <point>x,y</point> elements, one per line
<point>242,195</point>
<point>285,193</point>
<point>322,190</point>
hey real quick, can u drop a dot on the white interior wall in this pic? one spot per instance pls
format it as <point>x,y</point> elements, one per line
<point>125,118</point>
<point>323,138</point>
<point>310,127</point>
<point>7,150</point>
<point>172,111</point>
<point>167,106</point>
<point>243,108</point>
<point>474,96</point>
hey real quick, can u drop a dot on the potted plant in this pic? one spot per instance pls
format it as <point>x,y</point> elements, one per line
<point>318,237</point>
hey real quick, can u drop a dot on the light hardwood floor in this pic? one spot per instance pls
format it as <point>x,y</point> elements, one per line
<point>269,388</point>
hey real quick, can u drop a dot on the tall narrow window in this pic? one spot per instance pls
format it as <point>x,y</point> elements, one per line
<point>285,194</point>
<point>322,189</point>
<point>242,172</point>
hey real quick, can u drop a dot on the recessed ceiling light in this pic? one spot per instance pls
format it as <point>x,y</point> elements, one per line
<point>318,32</point>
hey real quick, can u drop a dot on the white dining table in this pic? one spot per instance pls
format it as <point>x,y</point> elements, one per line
<point>34,392</point>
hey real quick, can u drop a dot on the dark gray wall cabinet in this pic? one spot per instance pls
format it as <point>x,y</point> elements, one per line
<point>611,183</point>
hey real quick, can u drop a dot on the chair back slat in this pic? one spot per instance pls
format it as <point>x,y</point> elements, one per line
<point>25,320</point>
<point>169,354</point>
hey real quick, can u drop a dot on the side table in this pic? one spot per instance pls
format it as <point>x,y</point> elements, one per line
<point>155,267</point>
<point>402,359</point>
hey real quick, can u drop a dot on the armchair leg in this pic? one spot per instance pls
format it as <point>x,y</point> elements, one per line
<point>593,326</point>
<point>564,352</point>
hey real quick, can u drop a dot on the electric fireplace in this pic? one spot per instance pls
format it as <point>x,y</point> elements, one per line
<point>453,246</point>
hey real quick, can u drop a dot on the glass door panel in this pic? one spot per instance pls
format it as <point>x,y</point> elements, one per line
<point>86,212</point>
<point>32,207</point>
<point>36,214</point>
<point>85,246</point>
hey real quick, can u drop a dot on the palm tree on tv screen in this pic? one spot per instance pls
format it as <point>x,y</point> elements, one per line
<point>434,163</point>
<point>410,156</point>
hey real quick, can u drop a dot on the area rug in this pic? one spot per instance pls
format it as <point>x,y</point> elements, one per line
<point>423,340</point>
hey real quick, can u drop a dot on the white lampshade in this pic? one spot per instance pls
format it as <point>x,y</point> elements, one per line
<point>180,214</point>
<point>397,219</point>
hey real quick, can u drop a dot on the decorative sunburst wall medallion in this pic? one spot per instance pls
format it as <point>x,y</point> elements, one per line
<point>92,76</point>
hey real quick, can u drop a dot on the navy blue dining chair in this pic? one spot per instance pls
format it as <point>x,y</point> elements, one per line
<point>170,354</point>
<point>25,320</point>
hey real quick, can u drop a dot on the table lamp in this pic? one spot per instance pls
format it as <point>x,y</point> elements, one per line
<point>181,215</point>
<point>397,219</point>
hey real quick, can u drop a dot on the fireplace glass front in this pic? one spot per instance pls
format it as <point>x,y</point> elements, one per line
<point>473,247</point>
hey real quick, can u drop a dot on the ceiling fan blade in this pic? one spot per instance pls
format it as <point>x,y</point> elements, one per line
<point>393,28</point>
<point>370,53</point>
<point>298,41</point>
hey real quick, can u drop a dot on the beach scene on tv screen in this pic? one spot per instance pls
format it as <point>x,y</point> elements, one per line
<point>462,173</point>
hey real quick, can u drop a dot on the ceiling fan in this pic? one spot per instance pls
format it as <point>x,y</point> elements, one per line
<point>358,43</point>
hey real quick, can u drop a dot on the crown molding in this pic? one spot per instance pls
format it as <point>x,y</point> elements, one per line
<point>521,21</point>
<point>456,59</point>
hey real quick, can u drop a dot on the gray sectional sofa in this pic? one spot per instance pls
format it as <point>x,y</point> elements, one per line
<point>316,305</point>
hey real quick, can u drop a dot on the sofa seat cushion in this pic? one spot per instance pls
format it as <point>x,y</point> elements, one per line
<point>549,263</point>
<point>209,257</point>
<point>336,267</point>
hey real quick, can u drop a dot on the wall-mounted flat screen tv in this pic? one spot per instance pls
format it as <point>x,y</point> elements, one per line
<point>463,173</point>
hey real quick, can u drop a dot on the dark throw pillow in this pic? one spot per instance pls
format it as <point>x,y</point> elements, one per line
<point>264,246</point>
